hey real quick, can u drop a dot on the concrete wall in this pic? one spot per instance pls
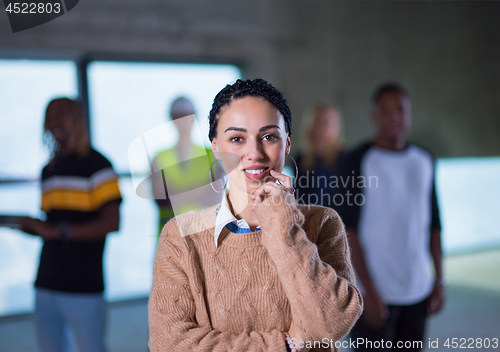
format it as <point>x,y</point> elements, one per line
<point>446,53</point>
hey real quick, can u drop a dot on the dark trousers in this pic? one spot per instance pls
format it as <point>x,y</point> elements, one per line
<point>404,330</point>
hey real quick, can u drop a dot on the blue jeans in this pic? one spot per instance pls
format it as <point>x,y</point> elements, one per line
<point>60,316</point>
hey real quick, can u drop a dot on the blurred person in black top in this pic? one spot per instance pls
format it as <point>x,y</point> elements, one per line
<point>321,154</point>
<point>392,219</point>
<point>81,199</point>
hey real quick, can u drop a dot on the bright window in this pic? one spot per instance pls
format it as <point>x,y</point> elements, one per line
<point>129,99</point>
<point>26,87</point>
<point>469,194</point>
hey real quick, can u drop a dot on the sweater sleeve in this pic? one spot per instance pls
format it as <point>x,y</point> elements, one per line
<point>318,278</point>
<point>178,320</point>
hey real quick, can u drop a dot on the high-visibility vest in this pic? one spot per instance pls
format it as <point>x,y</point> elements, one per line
<point>183,176</point>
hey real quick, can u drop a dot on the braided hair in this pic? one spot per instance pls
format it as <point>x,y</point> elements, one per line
<point>255,88</point>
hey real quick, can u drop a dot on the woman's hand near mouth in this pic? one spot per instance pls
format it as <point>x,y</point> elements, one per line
<point>271,188</point>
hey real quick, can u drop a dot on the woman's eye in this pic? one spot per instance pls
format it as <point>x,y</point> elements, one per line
<point>270,137</point>
<point>235,139</point>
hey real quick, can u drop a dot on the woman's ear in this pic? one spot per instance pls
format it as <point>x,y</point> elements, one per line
<point>288,146</point>
<point>215,149</point>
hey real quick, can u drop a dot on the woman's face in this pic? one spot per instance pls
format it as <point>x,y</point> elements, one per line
<point>326,127</point>
<point>251,140</point>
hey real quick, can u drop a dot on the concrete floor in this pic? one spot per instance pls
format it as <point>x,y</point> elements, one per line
<point>473,304</point>
<point>127,329</point>
<point>472,311</point>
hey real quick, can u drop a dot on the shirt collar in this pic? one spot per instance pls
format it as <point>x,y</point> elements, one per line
<point>224,217</point>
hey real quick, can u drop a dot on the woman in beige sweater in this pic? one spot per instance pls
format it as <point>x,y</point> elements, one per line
<point>244,275</point>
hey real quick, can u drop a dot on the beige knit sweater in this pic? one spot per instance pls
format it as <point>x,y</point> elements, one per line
<point>242,294</point>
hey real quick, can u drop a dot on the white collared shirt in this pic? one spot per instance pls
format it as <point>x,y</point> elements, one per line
<point>225,216</point>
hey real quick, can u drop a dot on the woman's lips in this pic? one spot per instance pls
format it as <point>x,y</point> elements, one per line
<point>256,174</point>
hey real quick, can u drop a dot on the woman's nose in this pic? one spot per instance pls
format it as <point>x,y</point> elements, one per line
<point>254,150</point>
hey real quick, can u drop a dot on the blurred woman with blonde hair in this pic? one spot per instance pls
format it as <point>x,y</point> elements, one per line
<point>320,156</point>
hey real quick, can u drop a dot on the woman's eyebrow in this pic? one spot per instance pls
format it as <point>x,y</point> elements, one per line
<point>239,129</point>
<point>268,127</point>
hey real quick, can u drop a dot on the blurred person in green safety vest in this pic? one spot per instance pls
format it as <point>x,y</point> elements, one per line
<point>179,187</point>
